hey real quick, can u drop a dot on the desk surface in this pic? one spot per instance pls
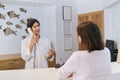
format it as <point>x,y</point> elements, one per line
<point>33,74</point>
<point>45,74</point>
<point>115,67</point>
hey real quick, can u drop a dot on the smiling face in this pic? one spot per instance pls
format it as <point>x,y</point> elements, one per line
<point>36,28</point>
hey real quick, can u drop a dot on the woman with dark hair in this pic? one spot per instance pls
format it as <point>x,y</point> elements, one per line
<point>92,61</point>
<point>35,50</point>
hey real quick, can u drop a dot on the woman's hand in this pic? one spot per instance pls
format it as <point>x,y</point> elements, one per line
<point>34,40</point>
<point>71,75</point>
<point>50,53</point>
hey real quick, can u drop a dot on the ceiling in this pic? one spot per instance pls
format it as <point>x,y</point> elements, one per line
<point>25,3</point>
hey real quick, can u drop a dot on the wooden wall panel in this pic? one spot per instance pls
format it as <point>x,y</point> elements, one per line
<point>14,61</point>
<point>11,61</point>
<point>96,17</point>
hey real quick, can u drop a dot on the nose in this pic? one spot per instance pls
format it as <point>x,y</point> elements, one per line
<point>38,28</point>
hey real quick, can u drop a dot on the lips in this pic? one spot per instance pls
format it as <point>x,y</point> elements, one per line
<point>37,31</point>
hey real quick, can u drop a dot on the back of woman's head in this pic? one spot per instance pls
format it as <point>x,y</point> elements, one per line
<point>90,36</point>
<point>30,22</point>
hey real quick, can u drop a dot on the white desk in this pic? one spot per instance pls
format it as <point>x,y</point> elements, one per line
<point>34,74</point>
<point>115,71</point>
<point>46,74</point>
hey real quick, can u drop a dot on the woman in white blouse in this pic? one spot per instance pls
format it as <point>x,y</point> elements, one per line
<point>35,50</point>
<point>92,61</point>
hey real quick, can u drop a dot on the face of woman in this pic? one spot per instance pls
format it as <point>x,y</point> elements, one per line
<point>36,28</point>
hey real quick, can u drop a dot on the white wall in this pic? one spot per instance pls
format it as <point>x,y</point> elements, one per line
<point>107,23</point>
<point>85,6</point>
<point>29,2</point>
<point>112,21</point>
<point>109,3</point>
<point>39,1</point>
<point>50,24</point>
<point>116,23</point>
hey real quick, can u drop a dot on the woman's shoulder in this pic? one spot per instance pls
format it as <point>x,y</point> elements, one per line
<point>105,48</point>
<point>80,52</point>
<point>26,39</point>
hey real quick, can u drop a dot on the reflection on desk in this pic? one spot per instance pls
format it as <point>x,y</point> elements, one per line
<point>46,73</point>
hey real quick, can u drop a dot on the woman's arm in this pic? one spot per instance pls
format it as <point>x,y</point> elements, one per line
<point>68,69</point>
<point>50,54</point>
<point>27,50</point>
<point>26,54</point>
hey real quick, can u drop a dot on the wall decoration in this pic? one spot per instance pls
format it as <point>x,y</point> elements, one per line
<point>68,43</point>
<point>67,12</point>
<point>23,10</point>
<point>9,23</point>
<point>8,31</point>
<point>22,21</point>
<point>13,21</point>
<point>29,18</point>
<point>18,26</point>
<point>0,26</point>
<point>2,16</point>
<point>2,6</point>
<point>23,37</point>
<point>67,21</point>
<point>12,14</point>
<point>67,27</point>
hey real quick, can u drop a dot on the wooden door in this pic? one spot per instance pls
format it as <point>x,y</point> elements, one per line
<point>96,17</point>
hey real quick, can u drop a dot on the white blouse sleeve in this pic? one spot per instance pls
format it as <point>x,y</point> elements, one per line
<point>68,68</point>
<point>25,51</point>
<point>49,47</point>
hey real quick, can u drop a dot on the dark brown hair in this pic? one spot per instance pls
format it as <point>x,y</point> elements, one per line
<point>30,22</point>
<point>90,35</point>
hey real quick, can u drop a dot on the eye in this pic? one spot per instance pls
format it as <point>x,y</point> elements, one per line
<point>38,25</point>
<point>34,26</point>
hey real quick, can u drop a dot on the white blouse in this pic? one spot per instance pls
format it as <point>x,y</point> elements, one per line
<point>87,66</point>
<point>38,57</point>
